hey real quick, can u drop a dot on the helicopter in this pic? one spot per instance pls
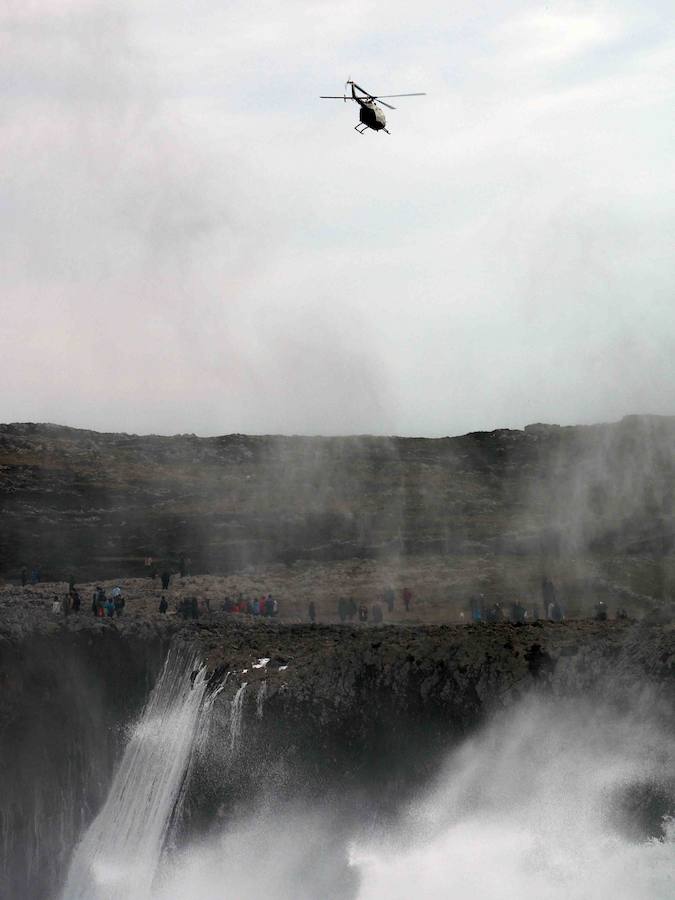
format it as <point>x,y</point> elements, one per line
<point>370,113</point>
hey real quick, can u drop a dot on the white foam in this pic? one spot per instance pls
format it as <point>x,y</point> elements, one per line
<point>524,812</point>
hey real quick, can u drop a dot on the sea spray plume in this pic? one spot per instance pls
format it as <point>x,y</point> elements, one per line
<point>602,489</point>
<point>278,851</point>
<point>527,809</point>
<point>120,851</point>
<point>530,808</point>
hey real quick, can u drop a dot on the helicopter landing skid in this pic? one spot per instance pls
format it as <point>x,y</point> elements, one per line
<point>361,128</point>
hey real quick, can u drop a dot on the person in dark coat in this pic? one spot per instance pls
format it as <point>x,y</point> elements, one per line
<point>163,605</point>
<point>24,576</point>
<point>166,578</point>
<point>476,608</point>
<point>548,596</point>
<point>517,612</point>
<point>312,611</point>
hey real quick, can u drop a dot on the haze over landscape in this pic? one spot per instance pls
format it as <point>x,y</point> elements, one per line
<point>337,472</point>
<point>192,241</point>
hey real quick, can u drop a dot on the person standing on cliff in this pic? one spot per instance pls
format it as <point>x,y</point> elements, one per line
<point>163,605</point>
<point>181,565</point>
<point>166,578</point>
<point>548,596</point>
<point>118,600</point>
<point>24,576</point>
<point>390,598</point>
<point>312,612</point>
<point>100,602</point>
<point>407,598</point>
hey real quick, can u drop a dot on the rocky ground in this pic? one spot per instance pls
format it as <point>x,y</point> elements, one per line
<point>238,641</point>
<point>441,591</point>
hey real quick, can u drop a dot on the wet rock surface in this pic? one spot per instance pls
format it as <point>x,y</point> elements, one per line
<point>318,659</point>
<point>376,707</point>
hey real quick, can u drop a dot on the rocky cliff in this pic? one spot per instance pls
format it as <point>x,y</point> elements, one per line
<point>97,504</point>
<point>361,709</point>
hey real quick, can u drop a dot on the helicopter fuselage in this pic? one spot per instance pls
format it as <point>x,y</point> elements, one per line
<point>371,114</point>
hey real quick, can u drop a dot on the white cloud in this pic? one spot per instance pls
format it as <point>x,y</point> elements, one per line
<point>193,241</point>
<point>546,35</point>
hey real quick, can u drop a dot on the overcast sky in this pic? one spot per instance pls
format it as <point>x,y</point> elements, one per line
<point>192,241</point>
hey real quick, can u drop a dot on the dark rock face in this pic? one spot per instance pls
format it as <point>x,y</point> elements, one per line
<point>96,504</point>
<point>366,709</point>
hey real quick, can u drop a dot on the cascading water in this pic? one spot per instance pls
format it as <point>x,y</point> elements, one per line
<point>260,699</point>
<point>119,854</point>
<point>236,713</point>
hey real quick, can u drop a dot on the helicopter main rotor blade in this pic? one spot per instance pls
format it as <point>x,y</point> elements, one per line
<point>379,96</point>
<point>382,103</point>
<point>335,97</point>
